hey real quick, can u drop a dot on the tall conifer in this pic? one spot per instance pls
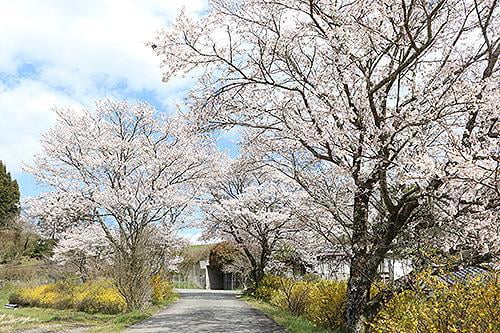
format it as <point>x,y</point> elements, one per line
<point>9,196</point>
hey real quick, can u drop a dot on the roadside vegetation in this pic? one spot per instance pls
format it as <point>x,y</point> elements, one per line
<point>49,318</point>
<point>433,305</point>
<point>60,290</point>
<point>61,305</point>
<point>292,323</point>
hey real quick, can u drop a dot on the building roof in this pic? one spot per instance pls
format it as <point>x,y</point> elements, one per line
<point>463,274</point>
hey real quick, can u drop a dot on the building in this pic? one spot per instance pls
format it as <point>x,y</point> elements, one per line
<point>195,271</point>
<point>335,266</point>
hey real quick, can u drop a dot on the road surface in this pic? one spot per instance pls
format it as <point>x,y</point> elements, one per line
<point>208,311</point>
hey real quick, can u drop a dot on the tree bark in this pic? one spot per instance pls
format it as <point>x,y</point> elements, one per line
<point>131,273</point>
<point>360,279</point>
<point>358,295</point>
<point>258,274</point>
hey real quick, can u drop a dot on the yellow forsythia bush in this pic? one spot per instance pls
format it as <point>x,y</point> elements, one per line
<point>292,296</point>
<point>55,295</point>
<point>97,296</point>
<point>269,285</point>
<point>162,289</point>
<point>320,301</point>
<point>472,307</point>
<point>326,303</point>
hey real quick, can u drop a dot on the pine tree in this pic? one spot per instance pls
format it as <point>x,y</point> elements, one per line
<point>9,196</point>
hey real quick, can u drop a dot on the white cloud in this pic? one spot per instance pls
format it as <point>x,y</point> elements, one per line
<point>25,114</point>
<point>80,51</point>
<point>80,43</point>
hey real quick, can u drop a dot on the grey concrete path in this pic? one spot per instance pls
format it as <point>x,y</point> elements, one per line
<point>208,311</point>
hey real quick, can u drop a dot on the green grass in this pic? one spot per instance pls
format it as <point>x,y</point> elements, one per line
<point>33,317</point>
<point>293,324</point>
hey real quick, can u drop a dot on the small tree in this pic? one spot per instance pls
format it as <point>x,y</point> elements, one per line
<point>9,197</point>
<point>250,207</point>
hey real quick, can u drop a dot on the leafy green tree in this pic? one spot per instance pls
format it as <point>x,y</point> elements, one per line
<point>9,197</point>
<point>224,255</point>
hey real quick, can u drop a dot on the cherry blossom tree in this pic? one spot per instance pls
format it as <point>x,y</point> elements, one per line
<point>164,246</point>
<point>250,207</point>
<point>55,213</point>
<point>84,248</point>
<point>380,110</point>
<point>125,167</point>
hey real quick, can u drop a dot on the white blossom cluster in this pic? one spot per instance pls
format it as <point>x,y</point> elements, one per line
<point>386,99</point>
<point>116,172</point>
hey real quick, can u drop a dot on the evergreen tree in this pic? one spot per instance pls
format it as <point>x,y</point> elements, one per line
<point>9,196</point>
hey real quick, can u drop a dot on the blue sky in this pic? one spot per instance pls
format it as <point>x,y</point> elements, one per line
<point>71,53</point>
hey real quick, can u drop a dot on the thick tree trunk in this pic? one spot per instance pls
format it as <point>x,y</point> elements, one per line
<point>255,269</point>
<point>258,265</point>
<point>358,295</point>
<point>364,263</point>
<point>358,290</point>
<point>258,274</point>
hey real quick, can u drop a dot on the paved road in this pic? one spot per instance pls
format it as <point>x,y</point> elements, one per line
<point>208,311</point>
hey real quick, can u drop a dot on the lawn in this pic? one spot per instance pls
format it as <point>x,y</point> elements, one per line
<point>294,324</point>
<point>32,317</point>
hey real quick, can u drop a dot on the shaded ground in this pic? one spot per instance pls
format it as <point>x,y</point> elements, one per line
<point>208,311</point>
